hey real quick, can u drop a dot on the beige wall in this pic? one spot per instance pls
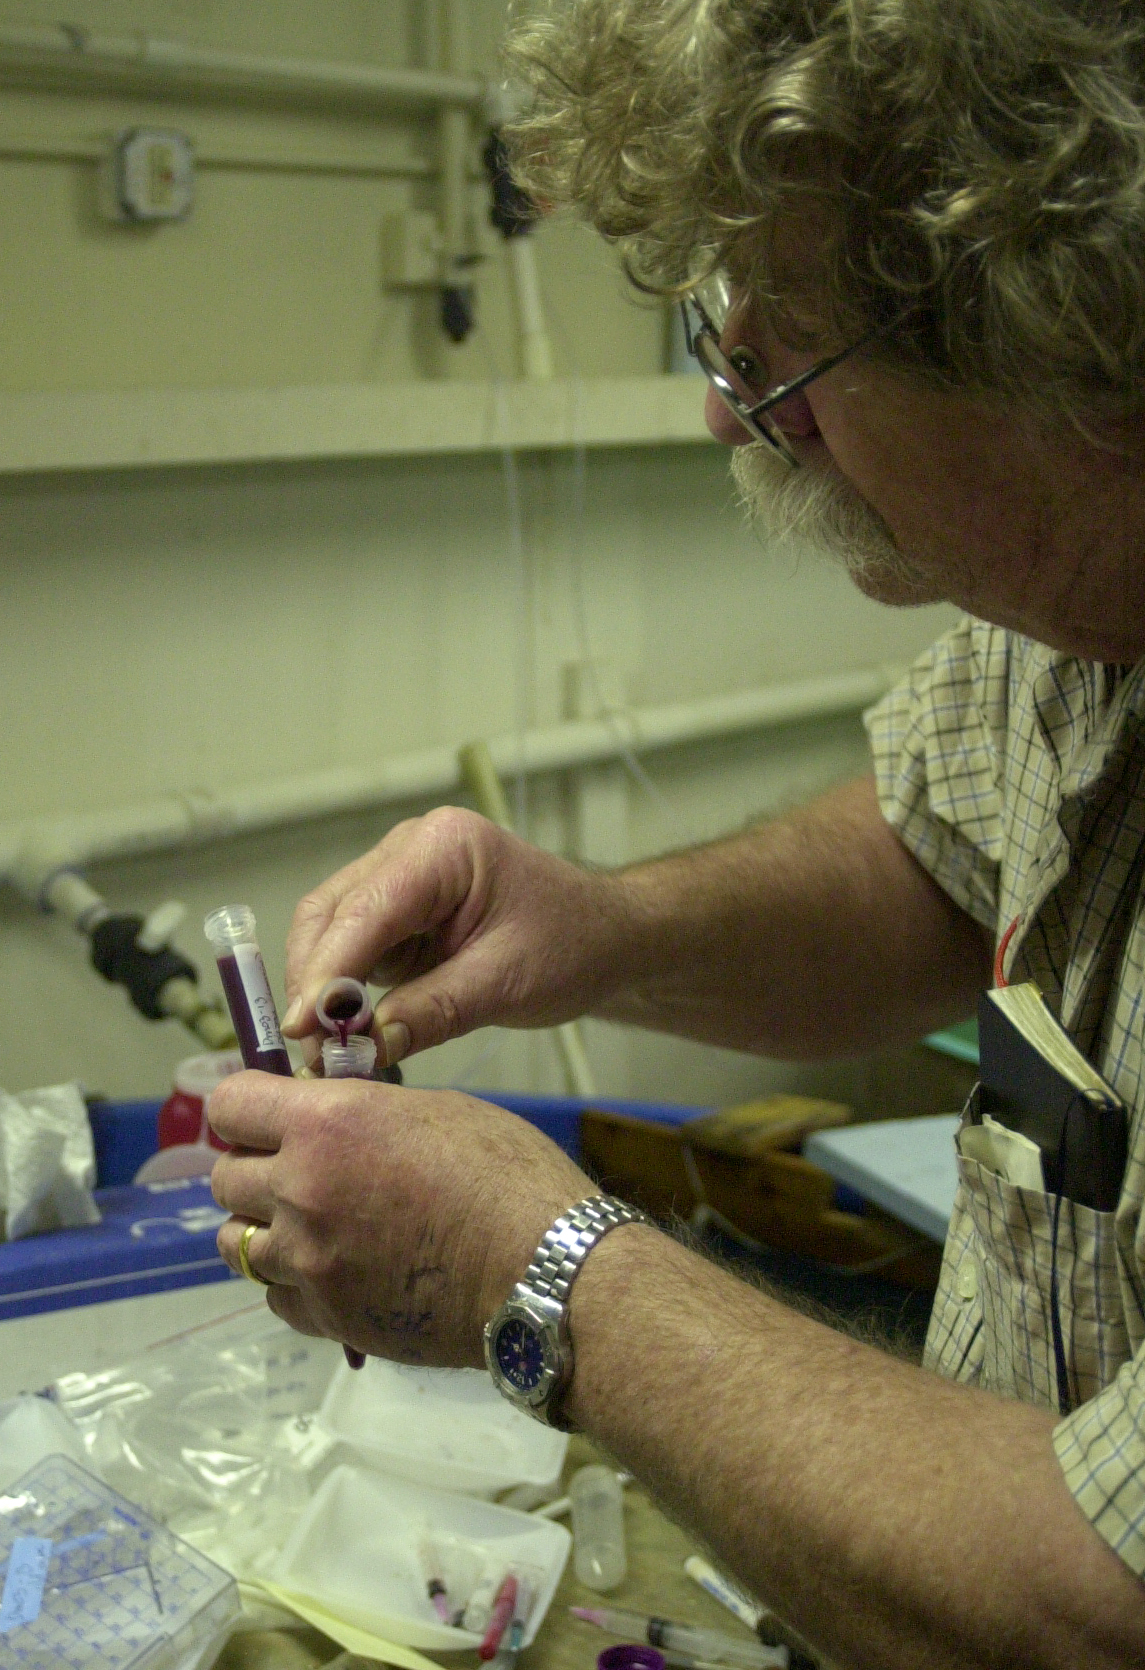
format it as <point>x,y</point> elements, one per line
<point>173,629</point>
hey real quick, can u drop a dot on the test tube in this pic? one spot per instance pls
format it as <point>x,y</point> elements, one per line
<point>598,1527</point>
<point>231,931</point>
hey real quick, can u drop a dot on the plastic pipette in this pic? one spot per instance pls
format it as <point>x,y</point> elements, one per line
<point>726,1590</point>
<point>709,1644</point>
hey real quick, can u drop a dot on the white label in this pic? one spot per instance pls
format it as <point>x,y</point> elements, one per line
<point>252,973</point>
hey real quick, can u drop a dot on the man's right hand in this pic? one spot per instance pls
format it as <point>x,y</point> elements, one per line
<point>467,924</point>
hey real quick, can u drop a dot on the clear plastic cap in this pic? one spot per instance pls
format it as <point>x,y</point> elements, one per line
<point>344,1003</point>
<point>229,926</point>
<point>197,1075</point>
<point>355,1059</point>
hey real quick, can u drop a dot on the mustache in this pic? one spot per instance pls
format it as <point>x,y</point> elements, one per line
<point>818,507</point>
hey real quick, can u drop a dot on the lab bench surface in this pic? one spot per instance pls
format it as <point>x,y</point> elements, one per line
<point>656,1583</point>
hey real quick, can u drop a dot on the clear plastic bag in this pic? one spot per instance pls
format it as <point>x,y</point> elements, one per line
<point>212,1432</point>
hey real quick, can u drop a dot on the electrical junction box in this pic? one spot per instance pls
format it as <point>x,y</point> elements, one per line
<point>150,176</point>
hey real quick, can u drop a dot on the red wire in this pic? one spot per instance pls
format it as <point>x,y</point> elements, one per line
<point>1000,953</point>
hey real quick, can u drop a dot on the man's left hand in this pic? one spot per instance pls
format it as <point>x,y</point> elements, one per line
<point>394,1220</point>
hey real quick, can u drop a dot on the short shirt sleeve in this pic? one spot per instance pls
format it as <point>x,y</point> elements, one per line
<point>936,741</point>
<point>1101,1449</point>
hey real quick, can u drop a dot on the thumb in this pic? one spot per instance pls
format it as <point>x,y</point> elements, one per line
<point>446,1002</point>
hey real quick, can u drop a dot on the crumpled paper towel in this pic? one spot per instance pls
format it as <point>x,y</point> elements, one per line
<point>47,1161</point>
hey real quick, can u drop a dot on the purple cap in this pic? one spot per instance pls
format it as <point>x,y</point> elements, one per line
<point>632,1656</point>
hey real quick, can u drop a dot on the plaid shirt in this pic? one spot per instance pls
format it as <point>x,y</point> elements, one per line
<point>1016,776</point>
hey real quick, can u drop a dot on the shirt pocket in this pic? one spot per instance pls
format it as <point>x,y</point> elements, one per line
<point>1011,1232</point>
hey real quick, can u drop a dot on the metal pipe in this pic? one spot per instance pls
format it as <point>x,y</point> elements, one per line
<point>71,53</point>
<point>32,853</point>
<point>70,896</point>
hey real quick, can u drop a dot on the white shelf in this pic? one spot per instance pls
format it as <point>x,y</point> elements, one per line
<point>133,429</point>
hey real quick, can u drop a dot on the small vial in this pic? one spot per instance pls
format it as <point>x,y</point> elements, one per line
<point>231,931</point>
<point>355,1059</point>
<point>598,1527</point>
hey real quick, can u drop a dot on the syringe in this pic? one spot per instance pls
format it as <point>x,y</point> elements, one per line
<point>708,1644</point>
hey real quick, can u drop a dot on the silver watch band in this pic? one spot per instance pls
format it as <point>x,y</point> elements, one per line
<point>567,1244</point>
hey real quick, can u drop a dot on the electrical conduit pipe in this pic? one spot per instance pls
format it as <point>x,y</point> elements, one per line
<point>33,853</point>
<point>71,53</point>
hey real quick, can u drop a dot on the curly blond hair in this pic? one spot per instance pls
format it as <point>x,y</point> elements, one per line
<point>973,170</point>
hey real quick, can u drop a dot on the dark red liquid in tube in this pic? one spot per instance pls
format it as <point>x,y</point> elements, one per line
<point>251,1040</point>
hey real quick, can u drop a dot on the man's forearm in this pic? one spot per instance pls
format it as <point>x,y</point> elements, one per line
<point>813,935</point>
<point>897,1520</point>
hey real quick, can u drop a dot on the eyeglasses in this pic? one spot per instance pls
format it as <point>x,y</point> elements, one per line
<point>728,374</point>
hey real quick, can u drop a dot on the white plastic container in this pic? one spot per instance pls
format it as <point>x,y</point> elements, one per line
<point>450,1428</point>
<point>355,1552</point>
<point>597,1503</point>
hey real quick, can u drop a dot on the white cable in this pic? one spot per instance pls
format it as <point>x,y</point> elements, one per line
<point>606,709</point>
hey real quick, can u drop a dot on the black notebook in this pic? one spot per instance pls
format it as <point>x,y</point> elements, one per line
<point>1034,1080</point>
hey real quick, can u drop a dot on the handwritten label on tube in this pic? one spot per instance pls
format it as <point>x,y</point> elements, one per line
<point>24,1584</point>
<point>252,973</point>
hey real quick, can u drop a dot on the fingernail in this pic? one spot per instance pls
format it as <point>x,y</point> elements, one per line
<point>395,1041</point>
<point>304,1073</point>
<point>291,1016</point>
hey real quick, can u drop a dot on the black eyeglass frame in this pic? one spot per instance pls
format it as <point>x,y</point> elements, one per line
<point>747,408</point>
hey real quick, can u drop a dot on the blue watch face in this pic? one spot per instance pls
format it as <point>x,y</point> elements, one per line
<point>520,1355</point>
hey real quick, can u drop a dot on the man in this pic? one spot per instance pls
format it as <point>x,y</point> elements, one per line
<point>933,215</point>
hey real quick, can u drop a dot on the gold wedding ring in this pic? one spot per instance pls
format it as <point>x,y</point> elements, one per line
<point>244,1255</point>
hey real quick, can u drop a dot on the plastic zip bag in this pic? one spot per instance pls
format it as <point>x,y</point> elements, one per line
<point>212,1432</point>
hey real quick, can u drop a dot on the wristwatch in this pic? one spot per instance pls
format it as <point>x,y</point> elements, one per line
<point>528,1348</point>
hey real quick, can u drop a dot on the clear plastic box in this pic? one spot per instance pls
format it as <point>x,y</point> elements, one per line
<point>91,1582</point>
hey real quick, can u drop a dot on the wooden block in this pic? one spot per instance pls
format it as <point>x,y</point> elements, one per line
<point>778,1199</point>
<point>760,1127</point>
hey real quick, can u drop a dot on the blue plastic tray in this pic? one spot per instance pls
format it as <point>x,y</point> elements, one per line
<point>162,1236</point>
<point>127,1133</point>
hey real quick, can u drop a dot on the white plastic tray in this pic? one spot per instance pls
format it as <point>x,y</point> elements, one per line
<point>445,1427</point>
<point>355,1552</point>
